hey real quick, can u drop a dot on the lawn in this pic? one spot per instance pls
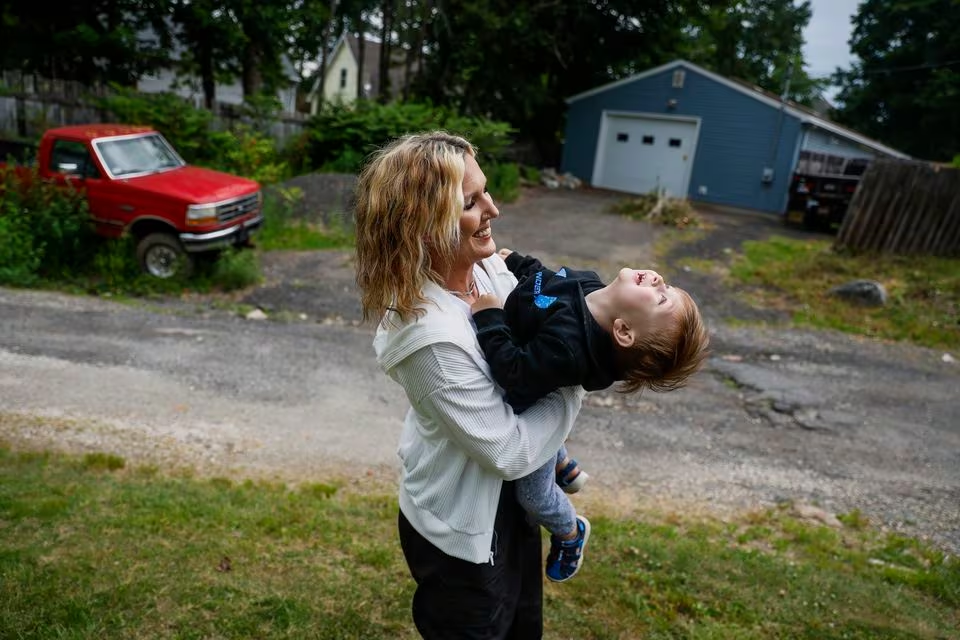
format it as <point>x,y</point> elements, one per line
<point>93,547</point>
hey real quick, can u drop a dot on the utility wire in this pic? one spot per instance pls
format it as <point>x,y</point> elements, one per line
<point>918,67</point>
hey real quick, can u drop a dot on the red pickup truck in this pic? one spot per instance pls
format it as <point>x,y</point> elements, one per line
<point>136,183</point>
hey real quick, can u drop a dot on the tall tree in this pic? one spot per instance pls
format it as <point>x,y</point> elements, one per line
<point>99,40</point>
<point>904,88</point>
<point>518,61</point>
<point>206,41</point>
<point>753,40</point>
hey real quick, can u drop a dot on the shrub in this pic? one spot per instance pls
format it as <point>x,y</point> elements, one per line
<point>245,151</point>
<point>341,136</point>
<point>674,212</point>
<point>503,180</point>
<point>45,230</point>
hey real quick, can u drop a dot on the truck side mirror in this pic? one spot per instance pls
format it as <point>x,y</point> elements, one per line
<point>67,167</point>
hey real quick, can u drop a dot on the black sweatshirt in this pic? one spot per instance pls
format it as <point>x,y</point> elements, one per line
<point>545,337</point>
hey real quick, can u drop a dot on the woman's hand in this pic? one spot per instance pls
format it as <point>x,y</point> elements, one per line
<point>503,253</point>
<point>486,301</point>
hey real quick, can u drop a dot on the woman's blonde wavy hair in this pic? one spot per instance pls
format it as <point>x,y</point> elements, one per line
<point>408,207</point>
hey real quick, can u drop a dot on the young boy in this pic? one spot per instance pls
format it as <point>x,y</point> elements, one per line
<point>566,328</point>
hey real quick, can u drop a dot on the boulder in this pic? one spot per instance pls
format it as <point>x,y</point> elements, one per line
<point>865,292</point>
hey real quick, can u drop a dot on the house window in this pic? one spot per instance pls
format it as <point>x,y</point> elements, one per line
<point>678,78</point>
<point>343,78</point>
<point>675,142</point>
<point>647,139</point>
<point>623,137</point>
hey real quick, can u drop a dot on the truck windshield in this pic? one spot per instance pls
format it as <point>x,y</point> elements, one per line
<point>137,155</point>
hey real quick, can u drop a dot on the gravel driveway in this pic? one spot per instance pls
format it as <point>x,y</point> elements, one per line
<point>778,415</point>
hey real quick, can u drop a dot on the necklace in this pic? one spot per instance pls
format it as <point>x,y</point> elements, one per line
<point>471,290</point>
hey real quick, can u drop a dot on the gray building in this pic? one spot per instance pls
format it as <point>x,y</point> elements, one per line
<point>693,133</point>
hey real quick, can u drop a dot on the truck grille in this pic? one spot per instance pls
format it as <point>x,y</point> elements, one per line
<point>238,208</point>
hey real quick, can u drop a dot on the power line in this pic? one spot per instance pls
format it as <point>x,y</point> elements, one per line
<point>919,67</point>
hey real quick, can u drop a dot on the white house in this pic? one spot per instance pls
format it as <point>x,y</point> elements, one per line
<point>339,81</point>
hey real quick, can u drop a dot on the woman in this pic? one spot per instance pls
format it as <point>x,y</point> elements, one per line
<point>425,253</point>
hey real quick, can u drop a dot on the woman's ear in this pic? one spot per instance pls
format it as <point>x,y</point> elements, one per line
<point>622,333</point>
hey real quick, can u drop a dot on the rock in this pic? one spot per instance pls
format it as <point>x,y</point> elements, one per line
<point>948,358</point>
<point>866,292</point>
<point>256,314</point>
<point>570,181</point>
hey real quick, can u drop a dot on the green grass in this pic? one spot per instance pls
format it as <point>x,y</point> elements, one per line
<point>283,231</point>
<point>94,548</point>
<point>923,292</point>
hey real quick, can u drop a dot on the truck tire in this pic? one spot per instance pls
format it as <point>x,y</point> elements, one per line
<point>162,256</point>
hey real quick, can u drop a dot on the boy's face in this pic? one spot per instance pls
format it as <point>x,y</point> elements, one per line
<point>644,304</point>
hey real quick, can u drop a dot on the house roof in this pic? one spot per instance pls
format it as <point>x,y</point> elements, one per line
<point>371,63</point>
<point>805,115</point>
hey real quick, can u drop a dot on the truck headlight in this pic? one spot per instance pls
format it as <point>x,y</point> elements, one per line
<point>199,215</point>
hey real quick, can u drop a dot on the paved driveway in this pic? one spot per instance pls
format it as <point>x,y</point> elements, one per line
<point>811,417</point>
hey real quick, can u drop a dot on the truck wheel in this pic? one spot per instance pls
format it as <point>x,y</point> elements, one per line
<point>162,256</point>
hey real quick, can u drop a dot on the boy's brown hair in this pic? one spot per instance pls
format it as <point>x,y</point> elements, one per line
<point>662,361</point>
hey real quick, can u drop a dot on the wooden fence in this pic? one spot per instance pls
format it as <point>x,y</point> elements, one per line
<point>29,105</point>
<point>904,207</point>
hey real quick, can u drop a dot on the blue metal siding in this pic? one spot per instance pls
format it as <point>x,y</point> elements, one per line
<point>736,139</point>
<point>825,142</point>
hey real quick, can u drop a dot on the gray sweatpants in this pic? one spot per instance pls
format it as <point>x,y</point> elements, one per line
<point>544,501</point>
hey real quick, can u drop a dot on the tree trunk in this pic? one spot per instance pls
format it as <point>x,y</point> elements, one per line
<point>361,53</point>
<point>325,50</point>
<point>207,80</point>
<point>252,80</point>
<point>383,82</point>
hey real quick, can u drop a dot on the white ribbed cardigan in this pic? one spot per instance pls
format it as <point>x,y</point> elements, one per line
<point>460,440</point>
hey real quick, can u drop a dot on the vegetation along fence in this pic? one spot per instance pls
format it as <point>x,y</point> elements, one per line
<point>29,105</point>
<point>904,207</point>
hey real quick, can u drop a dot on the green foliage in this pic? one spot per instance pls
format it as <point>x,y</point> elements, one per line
<point>245,151</point>
<point>755,41</point>
<point>45,230</point>
<point>103,462</point>
<point>923,292</point>
<point>341,137</point>
<point>904,86</point>
<point>236,269</point>
<point>195,558</point>
<point>503,180</point>
<point>284,230</point>
<point>187,128</point>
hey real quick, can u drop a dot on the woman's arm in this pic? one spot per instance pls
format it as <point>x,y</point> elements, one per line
<point>445,385</point>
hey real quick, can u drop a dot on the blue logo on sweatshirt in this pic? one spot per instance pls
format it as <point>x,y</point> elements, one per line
<point>541,301</point>
<point>544,301</point>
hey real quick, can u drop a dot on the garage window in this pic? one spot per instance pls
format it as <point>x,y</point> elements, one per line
<point>675,142</point>
<point>623,137</point>
<point>647,139</point>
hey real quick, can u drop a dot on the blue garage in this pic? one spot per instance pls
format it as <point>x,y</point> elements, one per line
<point>693,133</point>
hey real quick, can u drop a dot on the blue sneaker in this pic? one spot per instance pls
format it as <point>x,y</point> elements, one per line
<point>566,556</point>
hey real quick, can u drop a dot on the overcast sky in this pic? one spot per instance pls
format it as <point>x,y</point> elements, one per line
<point>827,35</point>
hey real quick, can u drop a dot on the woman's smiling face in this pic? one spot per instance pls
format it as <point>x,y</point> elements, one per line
<point>476,239</point>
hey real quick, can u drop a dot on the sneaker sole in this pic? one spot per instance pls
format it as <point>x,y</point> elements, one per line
<point>583,550</point>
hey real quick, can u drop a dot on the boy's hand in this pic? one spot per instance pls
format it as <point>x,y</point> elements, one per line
<point>486,301</point>
<point>503,253</point>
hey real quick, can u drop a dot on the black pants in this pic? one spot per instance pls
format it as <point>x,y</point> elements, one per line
<point>456,599</point>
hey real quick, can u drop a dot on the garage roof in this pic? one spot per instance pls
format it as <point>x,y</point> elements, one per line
<point>805,116</point>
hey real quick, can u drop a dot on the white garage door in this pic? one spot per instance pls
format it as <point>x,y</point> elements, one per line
<point>640,154</point>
